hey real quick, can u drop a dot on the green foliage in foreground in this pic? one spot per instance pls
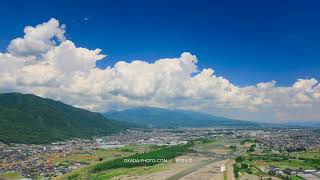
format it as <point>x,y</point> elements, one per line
<point>26,118</point>
<point>242,167</point>
<point>233,147</point>
<point>295,178</point>
<point>236,170</point>
<point>251,149</point>
<point>10,175</point>
<point>143,159</point>
<point>279,160</point>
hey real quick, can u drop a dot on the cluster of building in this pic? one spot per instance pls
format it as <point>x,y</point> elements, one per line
<point>154,137</point>
<point>291,139</point>
<point>309,174</point>
<point>33,160</point>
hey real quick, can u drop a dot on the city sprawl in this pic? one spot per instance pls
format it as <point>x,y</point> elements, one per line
<point>59,159</point>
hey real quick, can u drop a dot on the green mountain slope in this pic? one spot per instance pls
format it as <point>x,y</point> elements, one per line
<point>164,118</point>
<point>32,119</point>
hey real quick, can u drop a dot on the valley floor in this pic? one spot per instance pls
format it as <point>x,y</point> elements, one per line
<point>199,157</point>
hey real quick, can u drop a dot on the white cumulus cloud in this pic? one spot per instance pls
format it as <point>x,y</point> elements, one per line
<point>45,63</point>
<point>38,39</point>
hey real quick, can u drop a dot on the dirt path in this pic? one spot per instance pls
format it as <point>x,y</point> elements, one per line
<point>171,170</point>
<point>229,170</point>
<point>192,169</point>
<point>212,171</point>
<point>253,177</point>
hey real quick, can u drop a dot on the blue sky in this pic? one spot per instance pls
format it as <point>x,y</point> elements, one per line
<point>244,41</point>
<point>220,57</point>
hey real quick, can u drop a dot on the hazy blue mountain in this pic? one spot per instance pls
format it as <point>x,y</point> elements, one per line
<point>26,118</point>
<point>164,118</point>
<point>311,124</point>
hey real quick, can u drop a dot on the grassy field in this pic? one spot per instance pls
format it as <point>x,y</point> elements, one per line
<point>86,172</point>
<point>314,154</point>
<point>115,167</point>
<point>295,178</point>
<point>137,171</point>
<point>292,163</point>
<point>92,156</point>
<point>165,153</point>
<point>10,176</point>
<point>284,163</point>
<point>218,145</point>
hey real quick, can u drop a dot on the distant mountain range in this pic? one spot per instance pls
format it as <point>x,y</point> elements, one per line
<point>26,118</point>
<point>165,118</point>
